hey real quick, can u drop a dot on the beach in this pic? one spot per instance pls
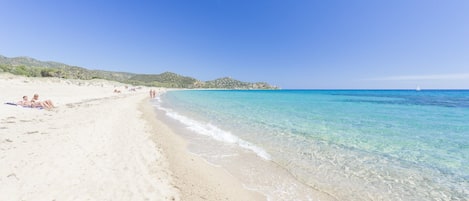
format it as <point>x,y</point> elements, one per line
<point>98,145</point>
<point>108,141</point>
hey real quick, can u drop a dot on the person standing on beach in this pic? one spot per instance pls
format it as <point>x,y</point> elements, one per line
<point>152,93</point>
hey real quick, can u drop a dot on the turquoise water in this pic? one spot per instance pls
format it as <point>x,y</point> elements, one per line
<point>351,144</point>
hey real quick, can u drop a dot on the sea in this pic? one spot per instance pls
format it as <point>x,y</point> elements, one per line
<point>330,144</point>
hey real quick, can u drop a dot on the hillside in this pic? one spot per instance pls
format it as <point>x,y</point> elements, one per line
<point>166,79</point>
<point>34,68</point>
<point>227,82</point>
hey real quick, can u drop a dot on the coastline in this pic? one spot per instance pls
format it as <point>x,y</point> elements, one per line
<point>219,148</point>
<point>98,145</point>
<point>195,178</point>
<point>332,141</point>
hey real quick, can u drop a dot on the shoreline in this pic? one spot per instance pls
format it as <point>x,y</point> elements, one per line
<point>343,163</point>
<point>255,172</point>
<point>195,178</point>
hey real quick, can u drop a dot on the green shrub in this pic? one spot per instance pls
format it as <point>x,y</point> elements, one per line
<point>48,72</point>
<point>21,70</point>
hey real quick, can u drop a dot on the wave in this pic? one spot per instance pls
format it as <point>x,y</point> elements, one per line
<point>212,131</point>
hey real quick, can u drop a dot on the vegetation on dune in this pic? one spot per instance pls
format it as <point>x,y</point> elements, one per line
<point>30,67</point>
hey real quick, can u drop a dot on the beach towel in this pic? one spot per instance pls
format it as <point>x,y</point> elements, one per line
<point>14,104</point>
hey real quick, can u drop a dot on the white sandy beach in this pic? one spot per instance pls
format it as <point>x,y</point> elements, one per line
<point>98,145</point>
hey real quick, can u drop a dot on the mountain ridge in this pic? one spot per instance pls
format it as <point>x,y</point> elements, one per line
<point>31,67</point>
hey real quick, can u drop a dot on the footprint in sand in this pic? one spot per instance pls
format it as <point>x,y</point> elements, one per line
<point>13,175</point>
<point>8,120</point>
<point>4,121</point>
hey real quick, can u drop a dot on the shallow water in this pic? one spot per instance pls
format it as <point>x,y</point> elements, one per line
<point>352,144</point>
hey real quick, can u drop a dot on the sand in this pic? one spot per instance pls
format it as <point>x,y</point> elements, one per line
<point>197,179</point>
<point>98,145</point>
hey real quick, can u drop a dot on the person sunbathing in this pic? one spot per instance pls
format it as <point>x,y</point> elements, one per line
<point>25,102</point>
<point>47,104</point>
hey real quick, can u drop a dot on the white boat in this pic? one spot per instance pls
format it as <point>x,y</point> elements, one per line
<point>418,88</point>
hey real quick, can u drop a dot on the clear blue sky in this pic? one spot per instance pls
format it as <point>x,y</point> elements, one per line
<point>292,44</point>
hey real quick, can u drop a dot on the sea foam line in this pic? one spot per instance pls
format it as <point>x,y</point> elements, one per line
<point>212,131</point>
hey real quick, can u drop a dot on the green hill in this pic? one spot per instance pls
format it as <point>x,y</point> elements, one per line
<point>34,68</point>
<point>227,82</point>
<point>166,79</point>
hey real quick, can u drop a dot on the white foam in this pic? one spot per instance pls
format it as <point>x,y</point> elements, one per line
<point>212,131</point>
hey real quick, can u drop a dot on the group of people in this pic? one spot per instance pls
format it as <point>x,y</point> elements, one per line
<point>152,93</point>
<point>34,102</point>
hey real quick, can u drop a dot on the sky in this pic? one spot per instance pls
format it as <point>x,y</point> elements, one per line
<point>348,44</point>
